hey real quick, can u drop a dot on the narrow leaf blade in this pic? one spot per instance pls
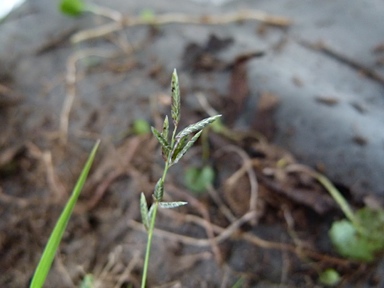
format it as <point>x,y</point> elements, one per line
<point>186,147</point>
<point>170,205</point>
<point>197,126</point>
<point>54,240</point>
<point>144,211</point>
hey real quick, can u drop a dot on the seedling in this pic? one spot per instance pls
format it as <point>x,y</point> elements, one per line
<point>360,236</point>
<point>72,7</point>
<point>141,127</point>
<point>360,245</point>
<point>329,277</point>
<point>197,179</point>
<point>173,148</point>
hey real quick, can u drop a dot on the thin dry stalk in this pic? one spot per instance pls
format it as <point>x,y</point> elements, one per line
<point>65,277</point>
<point>206,106</point>
<point>102,187</point>
<point>225,233</point>
<point>285,267</point>
<point>249,237</point>
<point>220,204</point>
<point>54,183</point>
<point>112,261</point>
<point>247,166</point>
<point>8,199</point>
<point>224,282</point>
<point>126,274</point>
<point>192,201</point>
<point>106,12</point>
<point>291,227</point>
<point>71,78</point>
<point>173,18</point>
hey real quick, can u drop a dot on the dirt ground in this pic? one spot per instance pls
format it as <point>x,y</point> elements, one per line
<point>263,222</point>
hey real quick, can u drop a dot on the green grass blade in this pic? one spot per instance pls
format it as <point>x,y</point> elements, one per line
<point>54,240</point>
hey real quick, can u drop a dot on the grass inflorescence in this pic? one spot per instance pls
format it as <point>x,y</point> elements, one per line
<point>173,148</point>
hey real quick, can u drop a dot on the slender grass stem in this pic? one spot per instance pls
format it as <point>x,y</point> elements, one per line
<point>149,244</point>
<point>166,167</point>
<point>340,200</point>
<point>153,221</point>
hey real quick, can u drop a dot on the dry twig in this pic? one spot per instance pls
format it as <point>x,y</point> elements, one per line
<point>8,199</point>
<point>247,166</point>
<point>71,78</point>
<point>173,18</point>
<point>205,214</point>
<point>231,231</point>
<point>220,204</point>
<point>224,233</point>
<point>53,181</point>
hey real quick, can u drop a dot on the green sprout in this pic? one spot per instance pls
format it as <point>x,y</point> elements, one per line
<point>49,253</point>
<point>361,235</point>
<point>141,127</point>
<point>197,179</point>
<point>329,277</point>
<point>72,7</point>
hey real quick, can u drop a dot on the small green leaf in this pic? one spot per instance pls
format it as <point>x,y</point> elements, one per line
<point>349,243</point>
<point>239,283</point>
<point>354,244</point>
<point>197,179</point>
<point>141,126</point>
<point>170,205</point>
<point>147,15</point>
<point>329,277</point>
<point>163,142</point>
<point>196,127</point>
<point>144,211</point>
<point>175,107</point>
<point>72,7</point>
<point>373,222</point>
<point>159,190</point>
<point>184,148</point>
<point>88,281</point>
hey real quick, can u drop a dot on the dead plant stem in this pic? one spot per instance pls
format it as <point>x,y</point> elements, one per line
<point>172,18</point>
